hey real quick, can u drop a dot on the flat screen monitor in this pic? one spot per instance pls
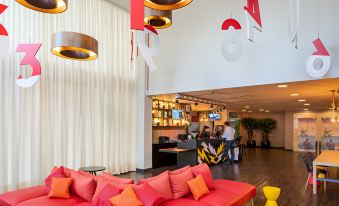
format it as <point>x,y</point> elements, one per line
<point>214,117</point>
<point>176,114</point>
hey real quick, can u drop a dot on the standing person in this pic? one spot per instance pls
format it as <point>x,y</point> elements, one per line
<point>228,134</point>
<point>205,133</point>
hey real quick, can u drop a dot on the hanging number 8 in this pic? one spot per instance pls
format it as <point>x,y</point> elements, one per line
<point>319,63</point>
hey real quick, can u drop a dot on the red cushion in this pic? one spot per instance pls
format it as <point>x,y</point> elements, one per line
<point>148,195</point>
<point>56,173</point>
<point>161,184</point>
<point>205,172</point>
<point>179,171</point>
<point>179,181</point>
<point>15,197</point>
<point>45,201</point>
<point>104,196</point>
<point>83,186</point>
<point>117,179</point>
<point>101,184</point>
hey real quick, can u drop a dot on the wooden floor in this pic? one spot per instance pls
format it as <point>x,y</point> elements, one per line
<point>272,167</point>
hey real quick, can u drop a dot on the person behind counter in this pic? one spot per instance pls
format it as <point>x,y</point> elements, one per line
<point>228,134</point>
<point>205,133</point>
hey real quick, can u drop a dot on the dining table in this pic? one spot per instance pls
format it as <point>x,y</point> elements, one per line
<point>328,158</point>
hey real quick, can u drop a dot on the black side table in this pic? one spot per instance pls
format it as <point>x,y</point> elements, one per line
<point>92,169</point>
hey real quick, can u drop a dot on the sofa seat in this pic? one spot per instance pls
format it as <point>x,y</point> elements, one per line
<point>45,200</point>
<point>15,197</point>
<point>184,202</point>
<point>228,193</point>
<point>84,204</point>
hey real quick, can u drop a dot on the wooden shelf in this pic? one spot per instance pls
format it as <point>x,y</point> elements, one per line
<point>169,127</point>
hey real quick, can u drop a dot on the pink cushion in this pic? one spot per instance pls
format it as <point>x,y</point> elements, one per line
<point>179,171</point>
<point>117,179</point>
<point>205,172</point>
<point>15,197</point>
<point>104,196</point>
<point>83,186</point>
<point>161,184</point>
<point>101,184</point>
<point>56,173</point>
<point>179,184</point>
<point>148,195</point>
<point>45,201</point>
<point>84,204</point>
<point>68,171</point>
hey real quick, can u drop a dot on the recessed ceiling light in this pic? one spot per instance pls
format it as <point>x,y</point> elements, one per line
<point>261,110</point>
<point>307,104</point>
<point>250,111</point>
<point>267,111</point>
<point>302,100</point>
<point>294,95</point>
<point>244,110</point>
<point>247,107</point>
<point>305,109</point>
<point>282,86</point>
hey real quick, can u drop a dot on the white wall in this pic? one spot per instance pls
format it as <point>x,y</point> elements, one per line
<point>190,57</point>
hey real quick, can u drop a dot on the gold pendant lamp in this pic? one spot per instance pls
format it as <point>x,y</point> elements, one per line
<point>167,4</point>
<point>74,46</point>
<point>45,6</point>
<point>157,18</point>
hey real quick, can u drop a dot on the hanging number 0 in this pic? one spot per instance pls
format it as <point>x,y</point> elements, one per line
<point>319,63</point>
<point>149,52</point>
<point>4,39</point>
<point>231,46</point>
<point>253,18</point>
<point>29,59</point>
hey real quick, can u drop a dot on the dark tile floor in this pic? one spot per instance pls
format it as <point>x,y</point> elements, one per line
<point>272,167</point>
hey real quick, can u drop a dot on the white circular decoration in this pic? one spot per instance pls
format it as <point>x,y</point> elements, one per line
<point>231,50</point>
<point>317,66</point>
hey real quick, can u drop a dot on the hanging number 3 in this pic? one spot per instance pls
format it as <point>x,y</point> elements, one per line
<point>29,59</point>
<point>319,63</point>
<point>149,52</point>
<point>253,18</point>
<point>4,39</point>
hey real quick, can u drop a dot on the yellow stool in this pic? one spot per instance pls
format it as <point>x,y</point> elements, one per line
<point>271,194</point>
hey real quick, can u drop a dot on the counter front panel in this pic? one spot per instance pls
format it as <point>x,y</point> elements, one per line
<point>211,151</point>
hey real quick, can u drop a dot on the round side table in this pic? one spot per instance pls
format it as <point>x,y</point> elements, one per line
<point>92,169</point>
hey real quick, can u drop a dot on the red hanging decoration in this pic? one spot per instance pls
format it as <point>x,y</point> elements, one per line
<point>137,14</point>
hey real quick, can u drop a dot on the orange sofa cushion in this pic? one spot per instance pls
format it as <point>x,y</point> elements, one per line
<point>198,187</point>
<point>60,187</point>
<point>126,198</point>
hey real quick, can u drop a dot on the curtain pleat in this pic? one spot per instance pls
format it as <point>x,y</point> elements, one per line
<point>80,113</point>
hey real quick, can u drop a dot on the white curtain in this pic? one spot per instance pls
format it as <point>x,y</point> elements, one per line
<point>80,113</point>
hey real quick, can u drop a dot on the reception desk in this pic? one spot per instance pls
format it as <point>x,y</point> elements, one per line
<point>211,152</point>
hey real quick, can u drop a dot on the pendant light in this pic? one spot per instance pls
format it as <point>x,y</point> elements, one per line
<point>157,18</point>
<point>167,4</point>
<point>75,46</point>
<point>45,6</point>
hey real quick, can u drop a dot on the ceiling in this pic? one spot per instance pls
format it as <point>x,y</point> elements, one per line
<point>125,4</point>
<point>274,99</point>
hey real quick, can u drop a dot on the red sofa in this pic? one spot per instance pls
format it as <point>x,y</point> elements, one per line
<point>226,193</point>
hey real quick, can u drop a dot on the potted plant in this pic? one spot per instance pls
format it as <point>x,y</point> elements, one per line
<point>250,124</point>
<point>266,126</point>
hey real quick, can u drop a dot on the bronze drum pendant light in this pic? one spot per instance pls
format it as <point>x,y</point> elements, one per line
<point>157,18</point>
<point>46,6</point>
<point>167,4</point>
<point>75,46</point>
